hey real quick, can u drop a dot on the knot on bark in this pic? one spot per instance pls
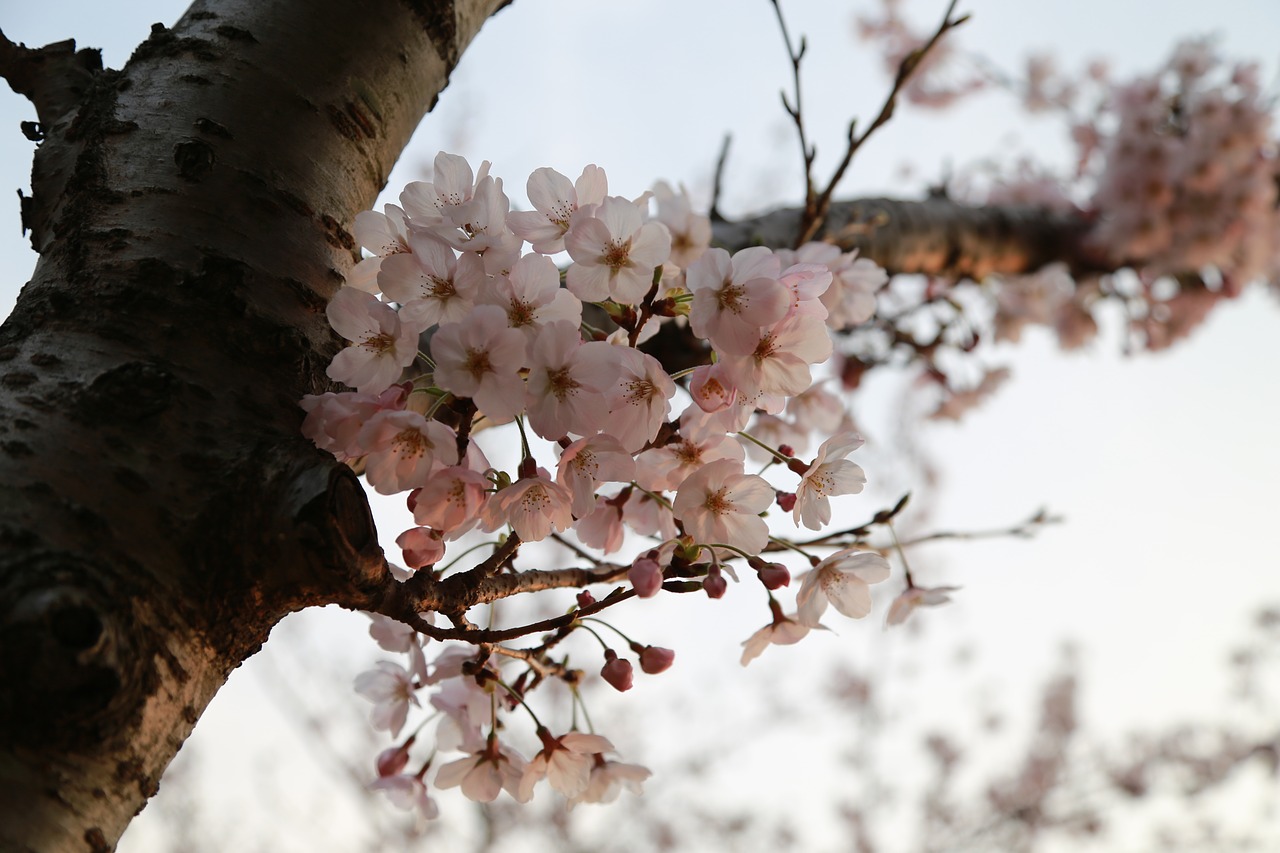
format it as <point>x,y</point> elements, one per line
<point>62,654</point>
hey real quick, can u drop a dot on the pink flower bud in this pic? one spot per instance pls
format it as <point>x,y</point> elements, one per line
<point>422,547</point>
<point>392,761</point>
<point>617,671</point>
<point>786,450</point>
<point>586,599</point>
<point>786,501</point>
<point>654,659</point>
<point>774,575</point>
<point>715,585</point>
<point>646,576</point>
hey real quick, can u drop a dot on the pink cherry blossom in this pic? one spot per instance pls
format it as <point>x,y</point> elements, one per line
<point>690,232</point>
<point>917,596</point>
<point>384,235</point>
<point>829,474</point>
<point>711,388</point>
<point>568,382</point>
<point>614,252</point>
<point>588,462</point>
<point>334,420</point>
<point>533,506</point>
<point>395,636</point>
<point>408,793</point>
<point>421,547</point>
<point>431,285</point>
<point>842,579</point>
<point>555,200</point>
<point>390,687</point>
<point>434,203</point>
<point>484,774</point>
<point>531,296</point>
<point>451,499</point>
<point>782,631</point>
<point>565,762</point>
<point>649,517</point>
<point>481,358</point>
<point>721,504</point>
<point>640,401</point>
<point>608,778</point>
<point>602,527</point>
<point>402,448</point>
<point>382,345</point>
<point>665,468</point>
<point>735,298</point>
<point>778,363</point>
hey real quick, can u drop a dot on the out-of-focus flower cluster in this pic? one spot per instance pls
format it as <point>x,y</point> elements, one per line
<point>1189,170</point>
<point>454,326</point>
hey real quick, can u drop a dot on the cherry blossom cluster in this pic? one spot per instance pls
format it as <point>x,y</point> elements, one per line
<point>460,321</point>
<point>1189,170</point>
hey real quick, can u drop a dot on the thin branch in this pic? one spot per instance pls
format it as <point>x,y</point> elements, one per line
<point>500,635</point>
<point>807,150</point>
<point>717,184</point>
<point>816,211</point>
<point>1024,530</point>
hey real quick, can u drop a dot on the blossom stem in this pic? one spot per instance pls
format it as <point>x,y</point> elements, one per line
<point>659,498</point>
<point>607,625</point>
<point>793,547</point>
<point>519,699</point>
<point>422,355</point>
<point>578,703</point>
<point>906,567</point>
<point>485,544</point>
<point>776,453</point>
<point>593,633</point>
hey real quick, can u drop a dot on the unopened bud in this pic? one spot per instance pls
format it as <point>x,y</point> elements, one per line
<point>715,585</point>
<point>586,599</point>
<point>774,575</point>
<point>786,450</point>
<point>786,501</point>
<point>392,761</point>
<point>617,671</point>
<point>654,659</point>
<point>646,576</point>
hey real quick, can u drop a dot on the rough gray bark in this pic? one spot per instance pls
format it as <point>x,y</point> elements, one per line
<point>160,511</point>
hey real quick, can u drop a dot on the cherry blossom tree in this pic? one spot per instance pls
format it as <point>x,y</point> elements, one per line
<point>201,369</point>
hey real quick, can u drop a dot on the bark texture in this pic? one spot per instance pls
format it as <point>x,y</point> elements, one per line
<point>160,511</point>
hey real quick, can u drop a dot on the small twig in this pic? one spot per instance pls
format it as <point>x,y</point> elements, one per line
<point>811,224</point>
<point>717,183</point>
<point>1023,530</point>
<point>500,635</point>
<point>807,150</point>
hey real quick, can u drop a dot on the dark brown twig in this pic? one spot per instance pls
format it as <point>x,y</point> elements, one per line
<point>816,212</point>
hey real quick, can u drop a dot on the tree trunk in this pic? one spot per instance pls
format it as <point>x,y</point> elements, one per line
<point>160,511</point>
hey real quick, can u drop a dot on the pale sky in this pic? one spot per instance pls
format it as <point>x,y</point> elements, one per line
<point>1165,467</point>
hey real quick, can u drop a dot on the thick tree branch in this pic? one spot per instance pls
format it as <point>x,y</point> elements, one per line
<point>936,236</point>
